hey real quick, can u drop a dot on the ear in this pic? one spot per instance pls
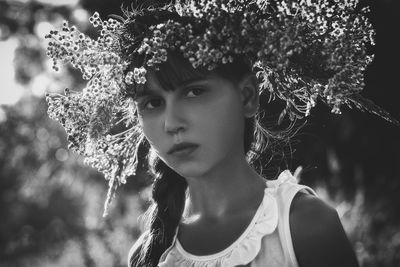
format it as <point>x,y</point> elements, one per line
<point>249,94</point>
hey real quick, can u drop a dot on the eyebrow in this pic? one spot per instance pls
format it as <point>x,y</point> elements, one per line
<point>145,92</point>
<point>149,92</point>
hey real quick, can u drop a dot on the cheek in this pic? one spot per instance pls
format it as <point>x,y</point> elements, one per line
<point>223,122</point>
<point>150,132</point>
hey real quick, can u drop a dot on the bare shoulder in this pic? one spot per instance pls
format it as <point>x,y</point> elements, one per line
<point>134,252</point>
<point>318,235</point>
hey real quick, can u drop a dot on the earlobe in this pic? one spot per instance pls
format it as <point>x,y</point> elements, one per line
<point>250,96</point>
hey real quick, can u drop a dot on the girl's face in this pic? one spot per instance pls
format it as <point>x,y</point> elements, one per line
<point>207,112</point>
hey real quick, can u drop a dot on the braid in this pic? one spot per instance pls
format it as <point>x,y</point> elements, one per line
<point>168,193</point>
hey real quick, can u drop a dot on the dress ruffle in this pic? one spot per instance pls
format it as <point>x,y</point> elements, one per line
<point>245,249</point>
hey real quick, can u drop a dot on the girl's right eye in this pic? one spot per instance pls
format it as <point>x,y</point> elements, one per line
<point>155,102</point>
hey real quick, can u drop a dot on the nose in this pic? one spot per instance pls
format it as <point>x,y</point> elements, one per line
<point>174,121</point>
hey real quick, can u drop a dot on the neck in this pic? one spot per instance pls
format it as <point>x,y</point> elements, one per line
<point>223,191</point>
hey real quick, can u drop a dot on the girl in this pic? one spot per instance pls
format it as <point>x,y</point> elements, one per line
<point>187,80</point>
<point>200,126</point>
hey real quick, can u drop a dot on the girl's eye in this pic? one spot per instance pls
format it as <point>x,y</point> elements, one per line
<point>146,105</point>
<point>197,91</point>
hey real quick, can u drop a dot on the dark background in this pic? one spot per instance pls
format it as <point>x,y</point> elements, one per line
<point>51,203</point>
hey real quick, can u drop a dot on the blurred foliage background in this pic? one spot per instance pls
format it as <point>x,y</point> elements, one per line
<point>51,204</point>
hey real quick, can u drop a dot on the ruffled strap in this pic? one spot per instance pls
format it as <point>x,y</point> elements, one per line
<point>250,246</point>
<point>284,177</point>
<point>248,250</point>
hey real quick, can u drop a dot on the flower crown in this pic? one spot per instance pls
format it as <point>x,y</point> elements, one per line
<point>300,52</point>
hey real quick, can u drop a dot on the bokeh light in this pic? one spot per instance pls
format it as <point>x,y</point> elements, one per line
<point>10,91</point>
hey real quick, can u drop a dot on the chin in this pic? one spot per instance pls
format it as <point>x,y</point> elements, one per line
<point>189,169</point>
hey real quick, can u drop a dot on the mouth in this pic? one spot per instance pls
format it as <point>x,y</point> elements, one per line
<point>182,148</point>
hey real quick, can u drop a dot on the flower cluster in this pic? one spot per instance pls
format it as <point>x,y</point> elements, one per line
<point>300,51</point>
<point>137,76</point>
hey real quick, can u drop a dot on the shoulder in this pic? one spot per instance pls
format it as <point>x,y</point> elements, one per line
<point>317,234</point>
<point>134,252</point>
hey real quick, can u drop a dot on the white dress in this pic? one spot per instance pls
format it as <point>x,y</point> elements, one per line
<point>266,242</point>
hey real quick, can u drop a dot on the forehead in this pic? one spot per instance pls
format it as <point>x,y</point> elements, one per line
<point>175,72</point>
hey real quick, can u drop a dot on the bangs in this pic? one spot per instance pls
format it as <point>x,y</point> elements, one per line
<point>177,71</point>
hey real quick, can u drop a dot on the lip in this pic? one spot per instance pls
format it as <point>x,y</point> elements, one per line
<point>182,148</point>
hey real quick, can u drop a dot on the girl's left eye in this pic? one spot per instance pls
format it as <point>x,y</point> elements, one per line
<point>197,91</point>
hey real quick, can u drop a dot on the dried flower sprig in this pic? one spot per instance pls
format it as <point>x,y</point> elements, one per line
<point>301,51</point>
<point>89,116</point>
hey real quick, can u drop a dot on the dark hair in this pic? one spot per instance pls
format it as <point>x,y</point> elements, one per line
<point>169,188</point>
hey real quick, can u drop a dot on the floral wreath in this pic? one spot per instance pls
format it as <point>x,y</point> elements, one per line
<point>300,52</point>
